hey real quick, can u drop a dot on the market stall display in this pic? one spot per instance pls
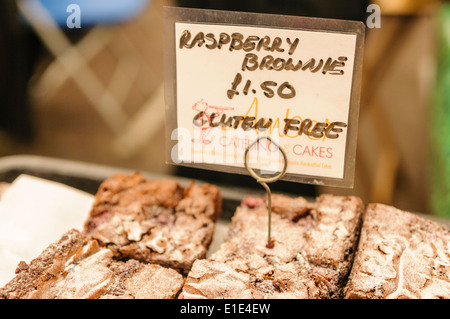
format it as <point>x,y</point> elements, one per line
<point>315,243</point>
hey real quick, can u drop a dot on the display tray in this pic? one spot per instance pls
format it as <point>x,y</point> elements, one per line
<point>87,177</point>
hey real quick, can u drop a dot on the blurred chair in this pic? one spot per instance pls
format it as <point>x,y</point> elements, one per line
<point>103,20</point>
<point>94,12</point>
<point>381,54</point>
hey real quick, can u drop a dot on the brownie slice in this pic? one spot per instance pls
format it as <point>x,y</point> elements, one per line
<point>76,267</point>
<point>154,221</point>
<point>400,255</point>
<point>313,248</point>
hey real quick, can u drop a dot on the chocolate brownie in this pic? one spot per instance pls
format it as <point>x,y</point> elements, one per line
<point>400,255</point>
<point>313,248</point>
<point>76,267</point>
<point>154,221</point>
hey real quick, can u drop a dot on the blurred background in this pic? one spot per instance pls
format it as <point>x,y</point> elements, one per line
<point>94,92</point>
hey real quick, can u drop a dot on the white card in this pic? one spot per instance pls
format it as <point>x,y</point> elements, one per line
<point>34,213</point>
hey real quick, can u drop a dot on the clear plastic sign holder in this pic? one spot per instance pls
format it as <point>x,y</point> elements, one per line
<point>276,23</point>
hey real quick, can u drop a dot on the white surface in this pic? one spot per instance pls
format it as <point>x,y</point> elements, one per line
<point>220,232</point>
<point>34,213</point>
<point>205,75</point>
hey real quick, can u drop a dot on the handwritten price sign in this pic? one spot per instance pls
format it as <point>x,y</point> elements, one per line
<point>234,77</point>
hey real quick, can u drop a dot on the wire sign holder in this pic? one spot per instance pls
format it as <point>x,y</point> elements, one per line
<point>264,180</point>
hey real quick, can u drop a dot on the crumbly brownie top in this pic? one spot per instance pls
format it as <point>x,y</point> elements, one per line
<point>400,255</point>
<point>311,257</point>
<point>135,280</point>
<point>156,221</point>
<point>78,268</point>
